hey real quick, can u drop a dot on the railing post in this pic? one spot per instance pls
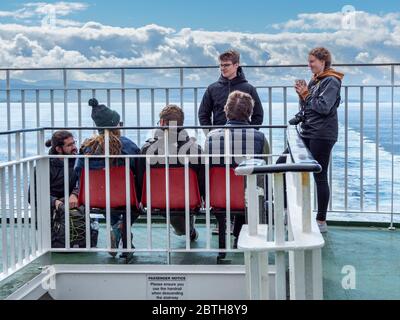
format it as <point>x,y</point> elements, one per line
<point>252,204</point>
<point>391,227</point>
<point>306,202</point>
<point>280,278</point>
<point>43,200</point>
<point>65,85</point>
<point>257,275</point>
<point>8,112</point>
<point>181,80</point>
<point>3,209</point>
<point>256,262</point>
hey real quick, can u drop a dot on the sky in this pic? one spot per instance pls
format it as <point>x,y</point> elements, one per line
<point>177,32</point>
<point>221,15</point>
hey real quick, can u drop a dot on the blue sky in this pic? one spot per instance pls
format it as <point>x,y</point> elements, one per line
<point>221,15</point>
<point>187,32</point>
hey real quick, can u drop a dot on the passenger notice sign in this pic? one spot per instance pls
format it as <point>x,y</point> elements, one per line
<point>166,287</point>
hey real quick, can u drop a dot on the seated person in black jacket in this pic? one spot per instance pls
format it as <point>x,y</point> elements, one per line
<point>62,143</point>
<point>211,111</point>
<point>179,143</point>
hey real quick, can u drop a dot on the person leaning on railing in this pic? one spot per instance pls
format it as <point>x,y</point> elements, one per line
<point>243,141</point>
<point>318,120</point>
<point>118,145</point>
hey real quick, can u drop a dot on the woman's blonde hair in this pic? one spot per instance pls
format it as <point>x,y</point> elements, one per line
<point>95,144</point>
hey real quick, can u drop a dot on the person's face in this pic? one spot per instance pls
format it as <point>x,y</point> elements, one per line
<point>69,147</point>
<point>317,66</point>
<point>228,69</point>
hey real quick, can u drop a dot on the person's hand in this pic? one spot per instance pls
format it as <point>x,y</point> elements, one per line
<point>301,88</point>
<point>57,204</point>
<point>73,201</point>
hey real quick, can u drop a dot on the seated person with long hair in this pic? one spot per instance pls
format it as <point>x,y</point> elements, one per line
<point>118,145</point>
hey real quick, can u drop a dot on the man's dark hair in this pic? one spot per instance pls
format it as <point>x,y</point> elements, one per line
<point>57,140</point>
<point>230,55</point>
<point>239,106</point>
<point>172,112</point>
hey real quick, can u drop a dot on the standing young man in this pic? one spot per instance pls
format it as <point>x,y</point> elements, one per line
<point>211,111</point>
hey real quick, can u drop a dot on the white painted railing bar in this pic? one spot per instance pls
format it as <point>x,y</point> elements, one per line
<point>377,145</point>
<point>346,146</point>
<point>207,200</point>
<point>12,219</point>
<point>79,93</point>
<point>108,200</point>
<point>18,196</point>
<point>66,204</point>
<point>187,204</point>
<point>361,149</point>
<point>23,116</point>
<point>25,175</point>
<point>109,98</point>
<point>8,99</point>
<point>279,213</point>
<point>123,96</point>
<point>87,202</point>
<point>38,119</point>
<point>167,192</point>
<point>138,115</point>
<point>52,118</point>
<point>65,84</point>
<point>148,209</point>
<point>33,206</point>
<point>128,203</point>
<point>392,144</point>
<point>4,241</point>
<point>228,159</point>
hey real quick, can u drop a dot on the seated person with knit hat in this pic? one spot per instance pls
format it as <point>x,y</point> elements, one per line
<point>118,145</point>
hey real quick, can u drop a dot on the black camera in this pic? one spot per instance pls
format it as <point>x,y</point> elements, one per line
<point>299,117</point>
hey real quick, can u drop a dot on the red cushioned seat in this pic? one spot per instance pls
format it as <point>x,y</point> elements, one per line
<point>218,190</point>
<point>97,188</point>
<point>176,189</point>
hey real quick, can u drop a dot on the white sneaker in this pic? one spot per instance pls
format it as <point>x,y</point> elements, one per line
<point>323,227</point>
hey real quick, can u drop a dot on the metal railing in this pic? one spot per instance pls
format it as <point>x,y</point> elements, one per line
<point>373,162</point>
<point>298,239</point>
<point>27,233</point>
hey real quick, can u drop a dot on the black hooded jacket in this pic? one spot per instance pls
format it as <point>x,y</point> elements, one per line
<point>320,107</point>
<point>211,111</point>
<point>56,167</point>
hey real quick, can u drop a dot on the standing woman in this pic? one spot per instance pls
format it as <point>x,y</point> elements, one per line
<point>319,101</point>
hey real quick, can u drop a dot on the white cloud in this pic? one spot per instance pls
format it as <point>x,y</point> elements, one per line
<point>61,8</point>
<point>40,9</point>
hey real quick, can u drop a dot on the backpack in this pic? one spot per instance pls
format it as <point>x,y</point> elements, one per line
<point>77,228</point>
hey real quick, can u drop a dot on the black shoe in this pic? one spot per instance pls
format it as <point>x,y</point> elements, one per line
<point>194,235</point>
<point>127,255</point>
<point>221,255</point>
